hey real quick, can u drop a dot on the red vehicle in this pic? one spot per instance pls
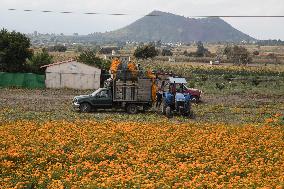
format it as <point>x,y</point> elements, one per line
<point>195,93</point>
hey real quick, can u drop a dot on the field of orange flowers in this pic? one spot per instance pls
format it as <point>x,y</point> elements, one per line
<point>161,154</point>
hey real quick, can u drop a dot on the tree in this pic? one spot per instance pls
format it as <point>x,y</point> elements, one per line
<point>57,48</point>
<point>238,55</point>
<point>145,52</point>
<point>89,57</point>
<point>37,60</point>
<point>14,50</point>
<point>167,52</point>
<point>201,50</point>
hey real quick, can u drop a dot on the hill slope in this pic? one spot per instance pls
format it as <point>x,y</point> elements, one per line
<point>173,28</point>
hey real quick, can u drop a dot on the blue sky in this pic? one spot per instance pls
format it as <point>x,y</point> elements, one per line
<point>261,28</point>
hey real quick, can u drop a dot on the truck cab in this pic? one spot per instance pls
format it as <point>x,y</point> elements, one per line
<point>101,98</point>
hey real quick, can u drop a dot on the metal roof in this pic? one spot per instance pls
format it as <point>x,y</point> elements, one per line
<point>177,80</point>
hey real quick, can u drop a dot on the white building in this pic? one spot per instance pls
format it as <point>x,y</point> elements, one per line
<point>72,74</point>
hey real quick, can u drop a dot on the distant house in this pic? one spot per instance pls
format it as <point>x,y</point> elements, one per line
<point>72,74</point>
<point>122,58</point>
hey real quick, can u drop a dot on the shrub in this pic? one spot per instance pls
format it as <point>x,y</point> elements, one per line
<point>201,50</point>
<point>38,60</point>
<point>57,48</point>
<point>238,55</point>
<point>90,58</point>
<point>145,52</point>
<point>220,86</point>
<point>255,81</point>
<point>167,52</point>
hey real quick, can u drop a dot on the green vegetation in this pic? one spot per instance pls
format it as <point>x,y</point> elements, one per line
<point>146,51</point>
<point>166,52</point>
<point>201,50</point>
<point>89,57</point>
<point>14,50</point>
<point>57,48</point>
<point>39,59</point>
<point>238,55</point>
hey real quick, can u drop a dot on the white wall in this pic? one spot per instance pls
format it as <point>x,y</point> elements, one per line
<point>73,75</point>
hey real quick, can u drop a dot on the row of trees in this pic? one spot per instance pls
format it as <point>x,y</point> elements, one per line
<point>149,51</point>
<point>239,55</point>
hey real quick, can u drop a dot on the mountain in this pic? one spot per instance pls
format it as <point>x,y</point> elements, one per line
<point>169,27</point>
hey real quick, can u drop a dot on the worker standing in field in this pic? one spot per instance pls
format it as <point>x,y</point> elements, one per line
<point>159,98</point>
<point>160,95</point>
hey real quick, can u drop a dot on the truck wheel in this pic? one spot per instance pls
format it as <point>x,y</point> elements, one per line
<point>85,107</point>
<point>132,109</point>
<point>169,112</point>
<point>195,99</point>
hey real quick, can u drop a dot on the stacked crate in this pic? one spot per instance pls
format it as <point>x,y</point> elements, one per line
<point>125,91</point>
<point>144,90</point>
<point>131,86</point>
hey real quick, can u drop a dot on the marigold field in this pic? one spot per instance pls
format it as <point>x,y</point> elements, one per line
<point>235,141</point>
<point>157,154</point>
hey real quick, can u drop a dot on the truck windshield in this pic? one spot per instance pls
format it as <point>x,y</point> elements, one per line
<point>96,92</point>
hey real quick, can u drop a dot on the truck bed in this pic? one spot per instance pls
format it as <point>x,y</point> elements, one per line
<point>136,91</point>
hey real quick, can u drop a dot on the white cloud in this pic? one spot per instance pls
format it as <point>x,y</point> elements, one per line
<point>57,23</point>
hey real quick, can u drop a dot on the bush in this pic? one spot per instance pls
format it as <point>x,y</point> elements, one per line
<point>57,48</point>
<point>220,86</point>
<point>167,52</point>
<point>201,50</point>
<point>38,60</point>
<point>90,58</point>
<point>238,55</point>
<point>255,81</point>
<point>145,52</point>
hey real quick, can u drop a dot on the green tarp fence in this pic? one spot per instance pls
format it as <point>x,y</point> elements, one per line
<point>22,80</point>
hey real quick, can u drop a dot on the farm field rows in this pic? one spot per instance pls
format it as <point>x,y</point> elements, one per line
<point>235,141</point>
